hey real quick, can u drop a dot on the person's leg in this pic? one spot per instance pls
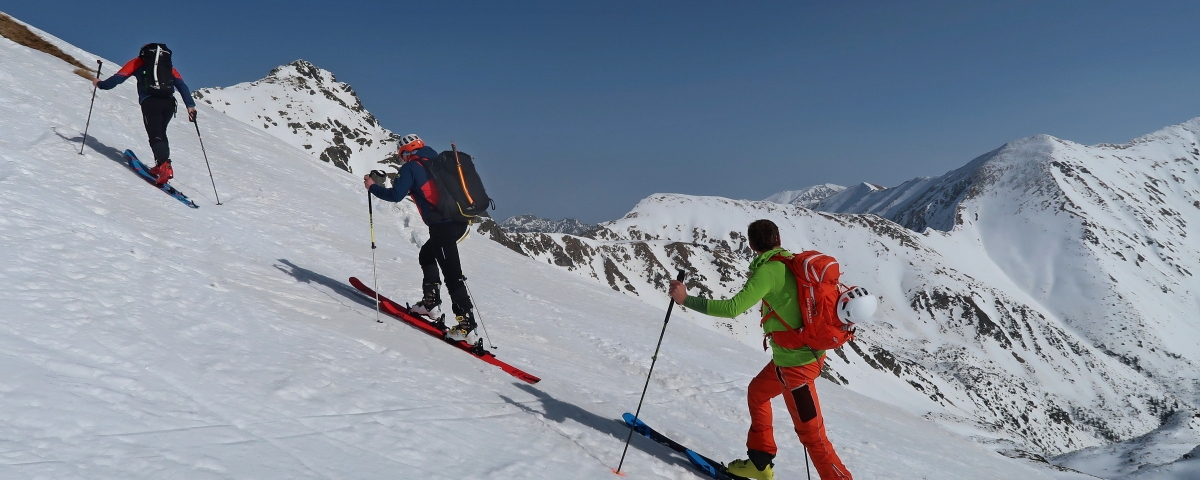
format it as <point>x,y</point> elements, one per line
<point>760,440</point>
<point>447,235</point>
<point>431,284</point>
<point>805,408</point>
<point>762,389</point>
<point>156,113</point>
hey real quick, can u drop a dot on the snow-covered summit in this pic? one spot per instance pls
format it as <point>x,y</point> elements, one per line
<point>305,106</point>
<point>806,197</point>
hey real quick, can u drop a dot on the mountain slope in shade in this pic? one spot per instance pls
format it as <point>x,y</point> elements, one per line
<point>806,197</point>
<point>1167,452</point>
<point>308,108</point>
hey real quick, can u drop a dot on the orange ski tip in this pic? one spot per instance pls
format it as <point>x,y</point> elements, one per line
<point>618,472</point>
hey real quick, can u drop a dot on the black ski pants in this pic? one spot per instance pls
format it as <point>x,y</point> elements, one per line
<point>442,250</point>
<point>156,114</point>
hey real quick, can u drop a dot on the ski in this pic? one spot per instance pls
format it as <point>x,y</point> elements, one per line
<point>140,168</point>
<point>403,314</point>
<point>707,465</point>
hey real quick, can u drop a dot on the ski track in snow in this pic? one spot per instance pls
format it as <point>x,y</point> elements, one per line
<point>143,339</point>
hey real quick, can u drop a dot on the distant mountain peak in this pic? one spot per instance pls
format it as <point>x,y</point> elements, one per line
<point>806,197</point>
<point>528,223</point>
<point>306,106</point>
<point>304,69</point>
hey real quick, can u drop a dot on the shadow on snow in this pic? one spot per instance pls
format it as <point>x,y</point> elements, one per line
<point>559,411</point>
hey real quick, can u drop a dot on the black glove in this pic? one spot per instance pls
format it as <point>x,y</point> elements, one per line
<point>379,177</point>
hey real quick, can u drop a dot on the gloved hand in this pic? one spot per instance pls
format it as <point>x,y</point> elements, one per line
<point>378,177</point>
<point>191,114</point>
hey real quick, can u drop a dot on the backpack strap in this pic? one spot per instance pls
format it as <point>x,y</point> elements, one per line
<point>425,169</point>
<point>771,313</point>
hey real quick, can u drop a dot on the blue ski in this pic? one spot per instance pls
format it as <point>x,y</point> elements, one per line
<point>707,465</point>
<point>140,168</point>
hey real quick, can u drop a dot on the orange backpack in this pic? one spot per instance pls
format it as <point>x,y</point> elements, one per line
<point>817,279</point>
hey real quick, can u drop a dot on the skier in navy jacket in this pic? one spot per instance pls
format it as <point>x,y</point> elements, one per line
<point>442,247</point>
<point>157,109</point>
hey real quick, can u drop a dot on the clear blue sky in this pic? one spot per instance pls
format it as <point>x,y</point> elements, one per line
<point>582,109</point>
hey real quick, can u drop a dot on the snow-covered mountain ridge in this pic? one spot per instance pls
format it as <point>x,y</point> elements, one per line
<point>533,223</point>
<point>1118,214</point>
<point>806,197</point>
<point>143,339</point>
<point>1042,246</point>
<point>307,107</point>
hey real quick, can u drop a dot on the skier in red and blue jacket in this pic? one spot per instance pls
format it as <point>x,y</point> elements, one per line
<point>157,99</point>
<point>442,247</point>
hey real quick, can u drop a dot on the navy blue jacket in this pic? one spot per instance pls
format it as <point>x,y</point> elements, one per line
<point>412,180</point>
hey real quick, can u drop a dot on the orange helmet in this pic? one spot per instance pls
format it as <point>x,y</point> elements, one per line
<point>411,143</point>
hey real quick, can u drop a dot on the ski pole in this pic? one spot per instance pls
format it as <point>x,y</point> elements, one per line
<point>99,65</point>
<point>806,471</point>
<point>485,334</point>
<point>653,359</point>
<point>210,175</point>
<point>374,272</point>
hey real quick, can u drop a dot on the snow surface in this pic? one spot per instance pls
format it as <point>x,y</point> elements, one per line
<point>143,339</point>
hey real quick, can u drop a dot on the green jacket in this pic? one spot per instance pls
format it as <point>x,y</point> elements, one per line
<point>771,281</point>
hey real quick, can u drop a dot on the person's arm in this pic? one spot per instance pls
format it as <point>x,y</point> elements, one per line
<point>753,292</point>
<point>117,78</point>
<point>399,190</point>
<point>184,91</point>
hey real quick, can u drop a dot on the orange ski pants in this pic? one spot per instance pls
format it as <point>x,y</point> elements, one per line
<point>799,390</point>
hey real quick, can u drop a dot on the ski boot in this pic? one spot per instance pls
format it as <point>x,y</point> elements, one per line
<point>465,329</point>
<point>749,468</point>
<point>431,300</point>
<point>162,172</point>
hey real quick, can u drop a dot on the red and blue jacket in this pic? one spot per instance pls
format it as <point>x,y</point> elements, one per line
<point>131,67</point>
<point>413,180</point>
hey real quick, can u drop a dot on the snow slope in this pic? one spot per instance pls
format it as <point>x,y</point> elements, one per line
<point>143,339</point>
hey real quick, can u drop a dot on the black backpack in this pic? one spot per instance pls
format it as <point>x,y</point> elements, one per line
<point>460,191</point>
<point>157,75</point>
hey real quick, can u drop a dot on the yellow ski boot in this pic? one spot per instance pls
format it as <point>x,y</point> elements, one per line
<point>746,469</point>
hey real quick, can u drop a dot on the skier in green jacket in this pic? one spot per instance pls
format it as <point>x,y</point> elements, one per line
<point>791,371</point>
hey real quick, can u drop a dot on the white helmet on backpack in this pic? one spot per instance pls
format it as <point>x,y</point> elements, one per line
<point>856,305</point>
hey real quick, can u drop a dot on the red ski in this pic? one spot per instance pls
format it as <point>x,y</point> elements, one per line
<point>402,314</point>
